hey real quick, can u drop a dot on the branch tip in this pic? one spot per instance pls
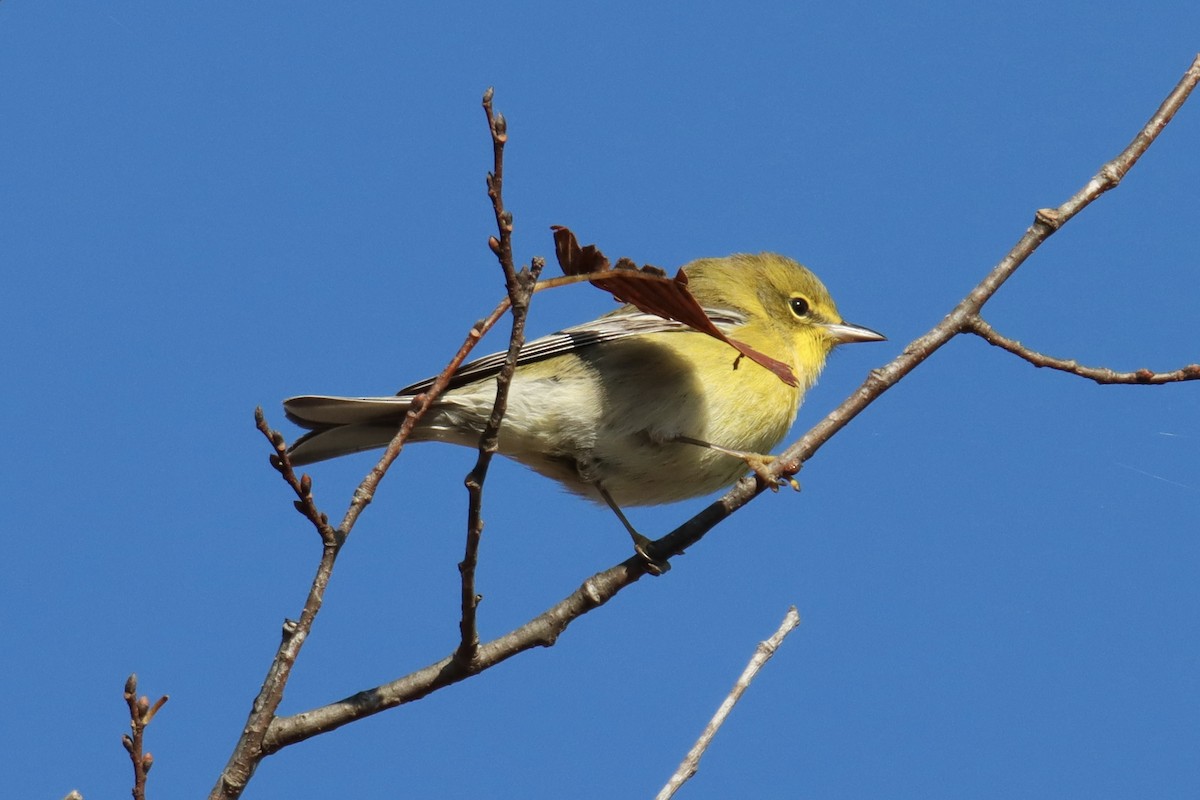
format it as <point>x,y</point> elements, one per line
<point>1102,375</point>
<point>149,715</point>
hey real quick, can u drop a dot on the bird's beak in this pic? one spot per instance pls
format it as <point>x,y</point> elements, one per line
<point>847,332</point>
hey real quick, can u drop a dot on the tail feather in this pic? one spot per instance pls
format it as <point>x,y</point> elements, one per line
<point>341,440</point>
<point>342,425</point>
<point>322,411</point>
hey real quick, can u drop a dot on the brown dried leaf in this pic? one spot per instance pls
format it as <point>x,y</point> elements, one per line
<point>649,289</point>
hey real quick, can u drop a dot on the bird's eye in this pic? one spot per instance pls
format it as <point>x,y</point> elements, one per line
<point>799,306</point>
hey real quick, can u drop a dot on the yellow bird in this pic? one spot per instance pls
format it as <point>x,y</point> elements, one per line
<point>630,408</point>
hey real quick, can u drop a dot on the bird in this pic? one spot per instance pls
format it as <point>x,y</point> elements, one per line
<point>629,409</point>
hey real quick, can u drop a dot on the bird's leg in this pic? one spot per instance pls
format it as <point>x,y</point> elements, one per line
<point>641,544</point>
<point>758,463</point>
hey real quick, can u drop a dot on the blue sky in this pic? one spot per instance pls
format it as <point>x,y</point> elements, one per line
<point>209,207</point>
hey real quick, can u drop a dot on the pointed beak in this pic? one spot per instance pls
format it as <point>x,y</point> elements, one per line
<point>847,332</point>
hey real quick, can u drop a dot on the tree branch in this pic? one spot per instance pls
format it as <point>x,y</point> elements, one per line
<point>1102,375</point>
<point>762,654</point>
<point>141,713</point>
<point>541,631</point>
<point>520,286</point>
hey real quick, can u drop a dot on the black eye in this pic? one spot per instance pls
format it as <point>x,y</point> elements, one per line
<point>799,306</point>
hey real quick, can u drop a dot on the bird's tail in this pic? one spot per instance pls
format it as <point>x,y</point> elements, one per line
<point>339,426</point>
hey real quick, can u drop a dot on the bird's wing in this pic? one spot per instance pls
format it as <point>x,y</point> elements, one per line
<point>323,413</point>
<point>618,325</point>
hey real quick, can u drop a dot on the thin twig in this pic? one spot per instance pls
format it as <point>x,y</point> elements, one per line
<point>141,713</point>
<point>522,291</point>
<point>301,485</point>
<point>520,286</point>
<point>762,654</point>
<point>1102,375</point>
<point>366,490</point>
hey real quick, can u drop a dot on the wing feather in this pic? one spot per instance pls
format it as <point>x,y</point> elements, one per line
<point>619,325</point>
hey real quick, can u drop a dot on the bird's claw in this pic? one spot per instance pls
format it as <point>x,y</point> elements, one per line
<point>760,465</point>
<point>655,566</point>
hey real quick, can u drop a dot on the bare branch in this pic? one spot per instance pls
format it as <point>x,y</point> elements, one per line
<point>541,631</point>
<point>248,751</point>
<point>141,713</point>
<point>521,290</point>
<point>1101,375</point>
<point>1114,171</point>
<point>520,286</point>
<point>301,485</point>
<point>762,654</point>
<point>366,490</point>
